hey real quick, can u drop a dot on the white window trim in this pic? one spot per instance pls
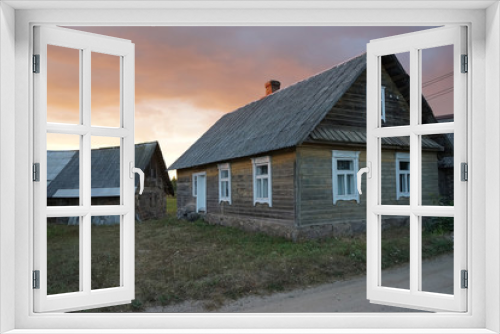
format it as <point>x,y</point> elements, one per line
<point>262,161</point>
<point>345,155</point>
<point>15,253</point>
<point>221,167</point>
<point>401,157</point>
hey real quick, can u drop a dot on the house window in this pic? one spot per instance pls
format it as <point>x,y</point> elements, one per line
<point>225,183</point>
<point>382,103</point>
<point>402,175</point>
<point>262,187</point>
<point>195,185</point>
<point>344,167</point>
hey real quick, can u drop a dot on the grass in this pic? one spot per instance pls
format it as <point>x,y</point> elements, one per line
<point>178,261</point>
<point>171,205</point>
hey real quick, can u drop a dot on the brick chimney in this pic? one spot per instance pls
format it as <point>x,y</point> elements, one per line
<point>272,86</point>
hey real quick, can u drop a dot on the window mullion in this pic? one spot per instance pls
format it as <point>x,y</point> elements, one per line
<point>415,106</point>
<point>85,171</point>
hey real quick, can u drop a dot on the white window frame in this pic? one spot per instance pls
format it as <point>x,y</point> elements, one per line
<point>123,50</point>
<point>404,157</point>
<point>345,155</point>
<point>415,296</point>
<point>257,162</point>
<point>223,167</point>
<point>15,259</point>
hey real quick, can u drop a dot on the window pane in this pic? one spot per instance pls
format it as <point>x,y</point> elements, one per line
<point>340,185</point>
<point>195,186</point>
<point>105,90</point>
<point>350,184</point>
<point>437,84</point>
<point>344,165</point>
<point>225,190</point>
<point>224,173</point>
<point>437,254</point>
<point>395,251</point>
<point>63,85</point>
<point>265,189</point>
<point>105,171</point>
<point>438,170</point>
<point>105,247</point>
<point>262,170</point>
<point>63,255</point>
<point>259,188</point>
<point>394,183</point>
<point>396,80</point>
<point>403,186</point>
<point>63,169</point>
<point>404,165</point>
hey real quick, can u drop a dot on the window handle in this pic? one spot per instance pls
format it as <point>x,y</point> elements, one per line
<point>134,170</point>
<point>366,170</point>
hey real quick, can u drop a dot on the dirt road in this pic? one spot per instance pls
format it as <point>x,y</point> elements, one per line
<point>344,296</point>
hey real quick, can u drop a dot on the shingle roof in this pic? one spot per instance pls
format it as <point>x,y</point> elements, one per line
<point>105,171</point>
<point>280,120</point>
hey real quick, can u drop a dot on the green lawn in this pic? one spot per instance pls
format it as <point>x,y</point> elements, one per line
<point>178,260</point>
<point>171,205</point>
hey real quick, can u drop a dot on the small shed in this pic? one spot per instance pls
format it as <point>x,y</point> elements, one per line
<point>63,181</point>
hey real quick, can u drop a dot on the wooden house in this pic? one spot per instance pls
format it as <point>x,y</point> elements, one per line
<point>63,181</point>
<point>286,164</point>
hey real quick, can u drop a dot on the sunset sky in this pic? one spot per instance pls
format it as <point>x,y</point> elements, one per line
<point>188,77</point>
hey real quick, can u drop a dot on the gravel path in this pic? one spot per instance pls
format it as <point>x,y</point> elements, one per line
<point>342,296</point>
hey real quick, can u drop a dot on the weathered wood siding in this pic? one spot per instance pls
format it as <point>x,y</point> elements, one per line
<point>283,189</point>
<point>315,187</point>
<point>152,204</point>
<point>350,110</point>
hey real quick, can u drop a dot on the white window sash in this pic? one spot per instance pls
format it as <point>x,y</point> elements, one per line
<point>402,157</point>
<point>258,162</point>
<point>227,180</point>
<point>347,156</point>
<point>414,297</point>
<point>86,297</point>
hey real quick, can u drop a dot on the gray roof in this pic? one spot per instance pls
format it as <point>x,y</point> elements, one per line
<point>56,161</point>
<point>280,120</point>
<point>105,171</point>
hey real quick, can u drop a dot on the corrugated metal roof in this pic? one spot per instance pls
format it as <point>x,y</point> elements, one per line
<point>105,171</point>
<point>96,192</point>
<point>353,136</point>
<point>280,120</point>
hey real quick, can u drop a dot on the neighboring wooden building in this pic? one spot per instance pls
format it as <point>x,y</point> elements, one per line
<point>286,164</point>
<point>63,181</point>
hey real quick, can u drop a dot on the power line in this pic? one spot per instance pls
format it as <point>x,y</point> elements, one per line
<point>437,79</point>
<point>439,94</point>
